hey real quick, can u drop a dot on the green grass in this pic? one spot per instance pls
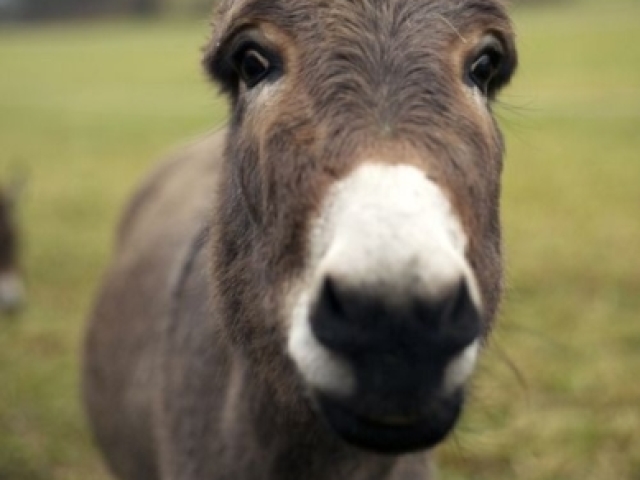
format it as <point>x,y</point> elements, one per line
<point>87,109</point>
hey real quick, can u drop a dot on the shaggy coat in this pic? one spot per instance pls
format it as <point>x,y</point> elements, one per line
<point>187,375</point>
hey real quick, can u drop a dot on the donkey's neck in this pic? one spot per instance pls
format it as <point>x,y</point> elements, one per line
<point>267,442</point>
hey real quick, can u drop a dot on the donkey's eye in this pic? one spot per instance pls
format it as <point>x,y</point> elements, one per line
<point>252,67</point>
<point>486,67</point>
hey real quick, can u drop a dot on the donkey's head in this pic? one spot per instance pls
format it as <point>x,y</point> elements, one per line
<point>359,235</point>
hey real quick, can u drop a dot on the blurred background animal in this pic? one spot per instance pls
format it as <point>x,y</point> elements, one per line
<point>12,290</point>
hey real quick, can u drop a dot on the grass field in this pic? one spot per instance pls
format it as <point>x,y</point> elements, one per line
<point>86,109</point>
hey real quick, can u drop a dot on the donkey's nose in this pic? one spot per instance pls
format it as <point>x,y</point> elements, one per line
<point>387,330</point>
<point>409,358</point>
<point>359,322</point>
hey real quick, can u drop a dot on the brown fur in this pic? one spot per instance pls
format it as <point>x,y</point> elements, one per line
<point>186,375</point>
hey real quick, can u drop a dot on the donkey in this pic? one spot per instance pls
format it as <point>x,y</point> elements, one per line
<point>12,291</point>
<point>304,294</point>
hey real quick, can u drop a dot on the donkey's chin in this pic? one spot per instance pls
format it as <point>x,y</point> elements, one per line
<point>392,435</point>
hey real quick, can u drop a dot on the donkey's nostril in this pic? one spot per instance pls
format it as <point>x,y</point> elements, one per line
<point>335,320</point>
<point>461,321</point>
<point>330,297</point>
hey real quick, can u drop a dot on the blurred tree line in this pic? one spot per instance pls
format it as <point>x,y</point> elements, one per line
<point>26,10</point>
<point>60,9</point>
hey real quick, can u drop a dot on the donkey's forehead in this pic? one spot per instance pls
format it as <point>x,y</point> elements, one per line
<point>303,15</point>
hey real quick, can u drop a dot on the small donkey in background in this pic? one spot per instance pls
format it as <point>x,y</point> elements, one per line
<point>12,292</point>
<point>303,295</point>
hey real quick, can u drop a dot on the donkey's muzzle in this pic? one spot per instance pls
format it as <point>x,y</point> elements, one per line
<point>403,354</point>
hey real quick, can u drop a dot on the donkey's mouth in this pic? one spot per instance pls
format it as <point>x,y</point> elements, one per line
<point>393,435</point>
